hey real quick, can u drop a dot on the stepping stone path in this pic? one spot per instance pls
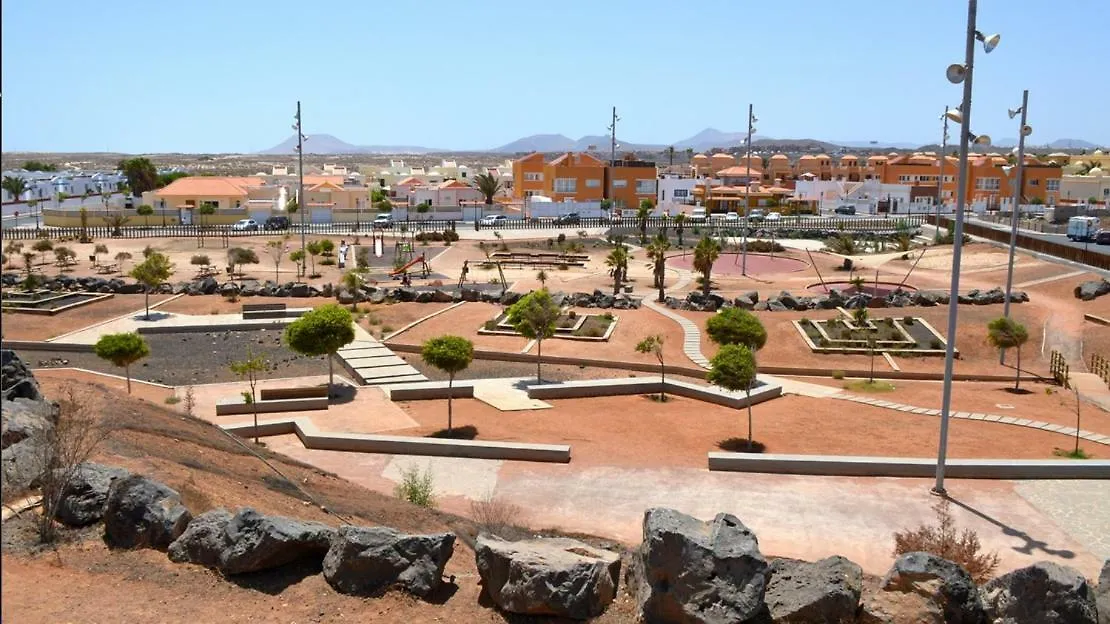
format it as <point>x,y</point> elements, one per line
<point>375,364</point>
<point>691,339</point>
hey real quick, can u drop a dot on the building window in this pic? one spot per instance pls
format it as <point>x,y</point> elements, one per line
<point>987,184</point>
<point>904,178</point>
<point>645,187</point>
<point>1052,185</point>
<point>593,183</point>
<point>681,193</point>
<point>533,177</point>
<point>210,203</point>
<point>620,184</point>
<point>566,185</point>
<point>1034,183</point>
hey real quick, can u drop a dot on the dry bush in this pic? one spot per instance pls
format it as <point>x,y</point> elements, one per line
<point>495,516</point>
<point>944,540</point>
<point>75,436</point>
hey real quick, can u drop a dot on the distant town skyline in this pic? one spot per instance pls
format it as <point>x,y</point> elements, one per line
<point>151,78</point>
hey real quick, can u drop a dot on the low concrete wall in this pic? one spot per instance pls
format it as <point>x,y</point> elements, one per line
<point>834,465</point>
<point>237,406</point>
<point>648,385</point>
<point>40,345</point>
<point>276,394</point>
<point>175,329</point>
<point>422,391</point>
<point>1094,318</point>
<point>312,438</point>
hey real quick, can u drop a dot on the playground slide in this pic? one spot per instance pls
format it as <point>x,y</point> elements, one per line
<point>377,248</point>
<point>404,269</point>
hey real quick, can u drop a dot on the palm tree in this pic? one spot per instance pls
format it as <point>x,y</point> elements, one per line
<point>1087,166</point>
<point>15,186</point>
<point>657,252</point>
<point>618,260</point>
<point>705,254</point>
<point>487,185</point>
<point>670,156</point>
<point>689,154</point>
<point>680,225</point>
<point>642,214</point>
<point>61,196</point>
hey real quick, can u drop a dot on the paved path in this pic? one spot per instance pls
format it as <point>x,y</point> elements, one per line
<point>507,394</point>
<point>1045,280</point>
<point>1092,388</point>
<point>691,341</point>
<point>374,363</point>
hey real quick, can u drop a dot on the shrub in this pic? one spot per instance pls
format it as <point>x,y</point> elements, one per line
<point>417,487</point>
<point>935,343</point>
<point>562,238</point>
<point>823,342</point>
<point>495,516</point>
<point>490,325</point>
<point>608,316</point>
<point>944,540</point>
<point>838,374</point>
<point>572,314</point>
<point>762,246</point>
<point>804,321</point>
<point>551,242</point>
<point>172,400</point>
<point>889,321</point>
<point>594,332</point>
<point>845,334</point>
<point>907,320</point>
<point>387,329</point>
<point>450,236</point>
<point>563,266</point>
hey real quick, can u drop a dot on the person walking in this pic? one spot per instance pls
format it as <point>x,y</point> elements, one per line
<point>343,254</point>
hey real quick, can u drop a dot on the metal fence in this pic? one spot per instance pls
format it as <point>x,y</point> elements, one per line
<point>214,231</point>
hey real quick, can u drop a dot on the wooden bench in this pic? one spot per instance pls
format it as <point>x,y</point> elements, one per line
<point>263,310</point>
<point>273,394</point>
<point>238,406</point>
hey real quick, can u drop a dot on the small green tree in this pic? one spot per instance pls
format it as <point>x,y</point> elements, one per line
<point>152,273</point>
<point>29,265</point>
<point>861,316</point>
<point>733,368</point>
<point>123,349</point>
<point>297,256</point>
<point>352,281</point>
<point>1006,333</point>
<point>249,369</point>
<point>327,247</point>
<point>657,253</point>
<point>13,248</point>
<point>705,254</point>
<point>145,211</point>
<point>618,260</point>
<point>42,246</point>
<point>83,215</point>
<point>654,346</point>
<point>643,213</point>
<point>534,316</point>
<point>541,275</point>
<point>276,250</point>
<point>321,331</point>
<point>314,249</point>
<point>238,256</point>
<point>452,355</point>
<point>121,258</point>
<point>737,326</point>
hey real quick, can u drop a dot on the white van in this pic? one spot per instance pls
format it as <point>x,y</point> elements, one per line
<point>697,214</point>
<point>1082,228</point>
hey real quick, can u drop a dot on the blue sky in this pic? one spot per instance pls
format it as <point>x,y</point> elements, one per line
<point>133,76</point>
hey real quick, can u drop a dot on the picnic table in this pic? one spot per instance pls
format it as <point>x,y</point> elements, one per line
<point>107,268</point>
<point>206,270</point>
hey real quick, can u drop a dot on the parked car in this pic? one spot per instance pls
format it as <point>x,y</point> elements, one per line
<point>570,218</point>
<point>382,221</point>
<point>755,215</point>
<point>1103,237</point>
<point>845,210</point>
<point>732,216</point>
<point>494,220</point>
<point>697,214</point>
<point>245,225</point>
<point>773,216</point>
<point>276,223</point>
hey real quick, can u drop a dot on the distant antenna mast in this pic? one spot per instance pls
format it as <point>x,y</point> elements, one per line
<point>612,146</point>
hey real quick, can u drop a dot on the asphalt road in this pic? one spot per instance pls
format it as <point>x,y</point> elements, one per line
<point>1056,238</point>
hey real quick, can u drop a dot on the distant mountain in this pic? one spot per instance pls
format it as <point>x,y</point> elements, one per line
<point>328,144</point>
<point>538,143</point>
<point>1070,144</point>
<point>712,137</point>
<point>876,144</point>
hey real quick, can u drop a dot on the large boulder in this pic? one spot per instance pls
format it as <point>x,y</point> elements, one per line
<point>84,496</point>
<point>344,296</point>
<point>300,289</point>
<point>250,541</point>
<point>1092,289</point>
<point>24,429</point>
<point>687,570</point>
<point>207,286</point>
<point>442,296</point>
<point>141,512</point>
<point>424,296</point>
<point>945,587</point>
<point>364,561</point>
<point>548,576</point>
<point>471,294</point>
<point>1102,594</point>
<point>16,379</point>
<point>1044,592</point>
<point>826,591</point>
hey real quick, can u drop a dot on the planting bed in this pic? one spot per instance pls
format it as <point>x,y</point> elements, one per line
<point>570,325</point>
<point>48,302</point>
<point>840,335</point>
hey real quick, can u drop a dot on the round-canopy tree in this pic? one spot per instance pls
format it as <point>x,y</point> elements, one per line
<point>152,273</point>
<point>322,331</point>
<point>737,326</point>
<point>122,349</point>
<point>450,354</point>
<point>534,316</point>
<point>1006,333</point>
<point>733,368</point>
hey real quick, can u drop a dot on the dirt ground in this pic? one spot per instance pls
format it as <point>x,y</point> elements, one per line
<point>464,320</point>
<point>640,431</point>
<point>18,326</point>
<point>83,576</point>
<point>215,304</point>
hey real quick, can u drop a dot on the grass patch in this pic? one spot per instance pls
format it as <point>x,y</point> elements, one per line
<point>417,487</point>
<point>172,400</point>
<point>1071,453</point>
<point>863,385</point>
<point>594,326</point>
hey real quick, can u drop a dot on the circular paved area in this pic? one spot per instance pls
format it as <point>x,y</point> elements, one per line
<point>758,264</point>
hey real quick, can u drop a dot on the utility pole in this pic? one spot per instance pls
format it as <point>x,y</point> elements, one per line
<point>612,155</point>
<point>300,177</point>
<point>940,174</point>
<point>747,195</point>
<point>1019,188</point>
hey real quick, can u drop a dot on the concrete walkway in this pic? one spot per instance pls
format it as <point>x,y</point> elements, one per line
<point>1092,389</point>
<point>508,394</point>
<point>691,340</point>
<point>374,363</point>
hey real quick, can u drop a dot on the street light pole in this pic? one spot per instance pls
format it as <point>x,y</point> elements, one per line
<point>300,178</point>
<point>957,246</point>
<point>940,174</point>
<point>747,196</point>
<point>1019,187</point>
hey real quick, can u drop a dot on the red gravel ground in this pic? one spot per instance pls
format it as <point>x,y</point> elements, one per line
<point>465,321</point>
<point>18,326</point>
<point>758,264</point>
<point>639,431</point>
<point>632,327</point>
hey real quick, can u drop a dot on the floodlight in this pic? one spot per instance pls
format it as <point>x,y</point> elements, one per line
<point>956,73</point>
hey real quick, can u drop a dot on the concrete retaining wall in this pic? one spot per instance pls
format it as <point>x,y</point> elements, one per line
<point>276,394</point>
<point>176,329</point>
<point>422,391</point>
<point>312,438</point>
<point>37,345</point>
<point>237,406</point>
<point>834,465</point>
<point>648,385</point>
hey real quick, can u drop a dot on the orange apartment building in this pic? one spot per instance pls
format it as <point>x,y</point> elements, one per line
<point>987,180</point>
<point>584,177</point>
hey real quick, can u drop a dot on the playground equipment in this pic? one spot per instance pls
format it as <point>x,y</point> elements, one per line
<point>379,243</point>
<point>403,270</point>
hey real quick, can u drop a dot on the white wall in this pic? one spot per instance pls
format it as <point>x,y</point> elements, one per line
<point>666,187</point>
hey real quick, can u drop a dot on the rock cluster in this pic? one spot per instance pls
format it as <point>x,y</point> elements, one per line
<point>26,419</point>
<point>783,301</point>
<point>1093,289</point>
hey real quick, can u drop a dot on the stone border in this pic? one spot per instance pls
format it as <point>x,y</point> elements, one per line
<point>649,385</point>
<point>89,299</point>
<point>153,306</point>
<point>42,345</point>
<point>482,331</point>
<point>854,466</point>
<point>1096,319</point>
<point>863,351</point>
<point>237,406</point>
<point>313,438</point>
<point>419,321</point>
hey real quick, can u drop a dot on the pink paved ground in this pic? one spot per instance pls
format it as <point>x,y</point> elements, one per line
<point>758,264</point>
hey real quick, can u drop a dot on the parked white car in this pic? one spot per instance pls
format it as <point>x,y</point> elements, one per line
<point>494,220</point>
<point>245,225</point>
<point>773,216</point>
<point>697,214</point>
<point>732,216</point>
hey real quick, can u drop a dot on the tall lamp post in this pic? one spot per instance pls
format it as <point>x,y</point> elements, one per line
<point>956,74</point>
<point>747,194</point>
<point>1019,188</point>
<point>940,163</point>
<point>300,174</point>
